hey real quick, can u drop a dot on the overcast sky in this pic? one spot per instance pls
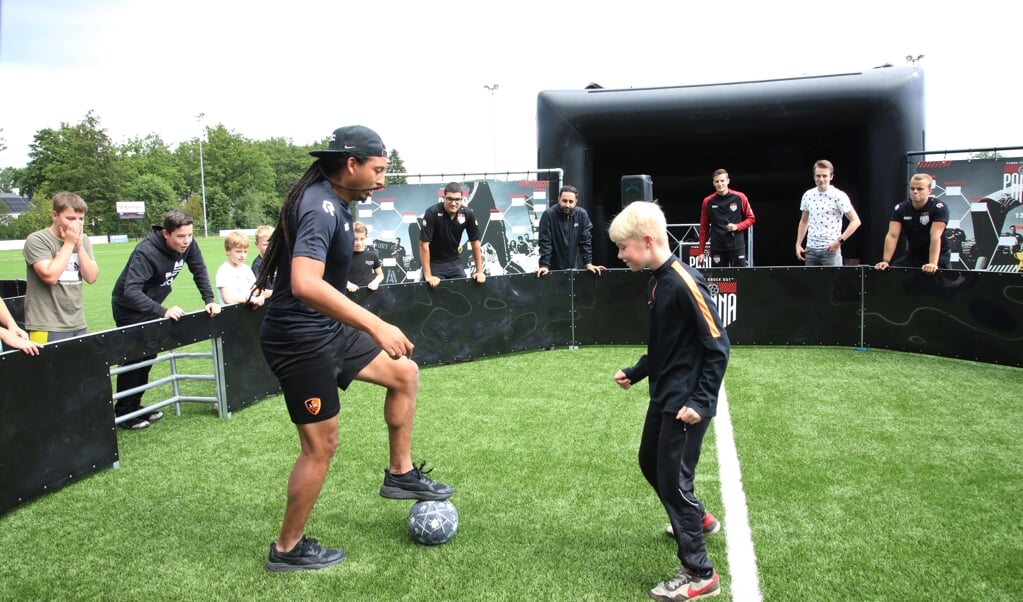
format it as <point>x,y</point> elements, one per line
<point>416,71</point>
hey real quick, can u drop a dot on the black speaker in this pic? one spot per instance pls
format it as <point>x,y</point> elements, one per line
<point>637,188</point>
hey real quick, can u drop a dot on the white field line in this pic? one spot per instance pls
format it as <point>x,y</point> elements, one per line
<point>742,560</point>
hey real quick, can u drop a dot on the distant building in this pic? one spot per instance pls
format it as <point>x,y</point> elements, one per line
<point>13,203</point>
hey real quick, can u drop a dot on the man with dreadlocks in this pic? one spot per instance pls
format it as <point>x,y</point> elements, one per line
<point>316,339</point>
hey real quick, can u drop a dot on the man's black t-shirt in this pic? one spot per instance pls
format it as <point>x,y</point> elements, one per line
<point>916,226</point>
<point>320,229</point>
<point>445,233</point>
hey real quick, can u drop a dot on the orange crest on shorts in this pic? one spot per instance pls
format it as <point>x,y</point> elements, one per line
<point>312,405</point>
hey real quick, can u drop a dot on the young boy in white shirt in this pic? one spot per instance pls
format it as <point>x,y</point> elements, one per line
<point>234,279</point>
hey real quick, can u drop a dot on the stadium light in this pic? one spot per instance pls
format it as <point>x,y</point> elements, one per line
<point>493,121</point>
<point>202,178</point>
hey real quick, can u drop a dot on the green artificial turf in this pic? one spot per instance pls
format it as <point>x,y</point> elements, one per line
<point>876,476</point>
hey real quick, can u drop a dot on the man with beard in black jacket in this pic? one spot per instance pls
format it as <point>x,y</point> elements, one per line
<point>566,236</point>
<point>141,289</point>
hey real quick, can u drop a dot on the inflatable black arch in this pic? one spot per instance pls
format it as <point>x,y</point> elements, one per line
<point>767,134</point>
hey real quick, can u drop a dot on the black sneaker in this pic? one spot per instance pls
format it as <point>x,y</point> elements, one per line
<point>154,417</point>
<point>413,485</point>
<point>135,424</point>
<point>307,555</point>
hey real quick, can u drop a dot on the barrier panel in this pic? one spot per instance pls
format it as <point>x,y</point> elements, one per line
<point>610,309</point>
<point>461,320</point>
<point>789,306</point>
<point>12,288</point>
<point>961,314</point>
<point>245,376</point>
<point>57,422</point>
<point>16,305</point>
<point>56,418</point>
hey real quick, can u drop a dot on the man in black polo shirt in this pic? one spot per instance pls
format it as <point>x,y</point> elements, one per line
<point>441,237</point>
<point>923,219</point>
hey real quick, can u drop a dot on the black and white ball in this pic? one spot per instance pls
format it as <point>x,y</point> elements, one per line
<point>433,522</point>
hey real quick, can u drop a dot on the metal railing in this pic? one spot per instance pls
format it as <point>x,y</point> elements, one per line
<point>219,401</point>
<point>683,237</point>
<point>423,178</point>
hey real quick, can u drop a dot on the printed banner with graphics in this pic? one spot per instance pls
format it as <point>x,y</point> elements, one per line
<point>725,292</point>
<point>985,225</point>
<point>508,214</point>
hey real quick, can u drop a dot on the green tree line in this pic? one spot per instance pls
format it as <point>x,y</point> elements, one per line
<point>245,180</point>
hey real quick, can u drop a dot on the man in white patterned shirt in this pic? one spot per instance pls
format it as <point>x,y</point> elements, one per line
<point>821,222</point>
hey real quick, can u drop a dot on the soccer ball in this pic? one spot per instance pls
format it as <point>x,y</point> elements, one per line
<point>432,522</point>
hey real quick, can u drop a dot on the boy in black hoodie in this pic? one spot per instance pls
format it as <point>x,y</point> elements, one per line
<point>141,288</point>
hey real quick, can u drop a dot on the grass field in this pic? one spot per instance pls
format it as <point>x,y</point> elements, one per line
<point>878,476</point>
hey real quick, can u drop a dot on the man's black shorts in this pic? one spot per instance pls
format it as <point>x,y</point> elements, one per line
<point>311,371</point>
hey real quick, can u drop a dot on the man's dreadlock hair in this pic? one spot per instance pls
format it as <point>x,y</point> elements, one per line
<point>317,172</point>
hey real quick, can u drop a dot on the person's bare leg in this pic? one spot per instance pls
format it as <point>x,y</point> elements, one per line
<point>401,379</point>
<point>402,481</point>
<point>319,442</point>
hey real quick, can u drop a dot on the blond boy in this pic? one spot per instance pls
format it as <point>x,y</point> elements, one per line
<point>234,279</point>
<point>687,353</point>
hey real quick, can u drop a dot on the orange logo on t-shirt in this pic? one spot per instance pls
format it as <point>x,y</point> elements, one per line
<point>312,405</point>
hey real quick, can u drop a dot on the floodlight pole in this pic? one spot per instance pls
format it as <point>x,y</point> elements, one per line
<point>202,178</point>
<point>493,121</point>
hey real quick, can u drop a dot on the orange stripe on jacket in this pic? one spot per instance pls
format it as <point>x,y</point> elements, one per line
<point>700,301</point>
